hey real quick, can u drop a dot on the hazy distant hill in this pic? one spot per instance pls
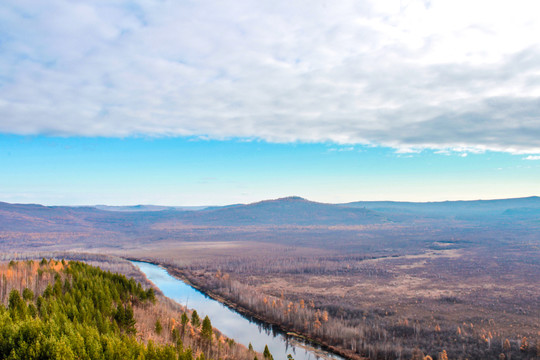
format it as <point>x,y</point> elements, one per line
<point>284,211</point>
<point>33,217</point>
<point>529,206</point>
<point>138,208</point>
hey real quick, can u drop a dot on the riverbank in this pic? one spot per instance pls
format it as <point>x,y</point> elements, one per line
<point>296,335</point>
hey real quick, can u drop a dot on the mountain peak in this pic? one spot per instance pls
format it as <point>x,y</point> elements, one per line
<point>283,200</point>
<point>292,198</point>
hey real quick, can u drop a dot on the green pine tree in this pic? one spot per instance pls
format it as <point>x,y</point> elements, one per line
<point>195,319</point>
<point>267,355</point>
<point>206,332</point>
<point>158,328</point>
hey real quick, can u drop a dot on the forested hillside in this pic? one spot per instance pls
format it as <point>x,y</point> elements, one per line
<point>71,310</point>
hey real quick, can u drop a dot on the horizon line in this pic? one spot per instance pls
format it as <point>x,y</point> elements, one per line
<point>271,199</point>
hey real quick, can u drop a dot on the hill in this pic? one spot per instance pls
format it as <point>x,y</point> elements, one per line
<point>71,310</point>
<point>385,225</point>
<point>278,212</point>
<point>34,217</point>
<point>138,208</point>
<point>284,211</point>
<point>475,209</point>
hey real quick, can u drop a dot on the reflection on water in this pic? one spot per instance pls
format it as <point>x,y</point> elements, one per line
<point>229,322</point>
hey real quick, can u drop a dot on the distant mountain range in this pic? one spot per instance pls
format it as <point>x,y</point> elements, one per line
<point>279,212</point>
<point>528,206</point>
<point>137,208</point>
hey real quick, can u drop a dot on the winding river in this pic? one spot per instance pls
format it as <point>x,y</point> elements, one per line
<point>234,325</point>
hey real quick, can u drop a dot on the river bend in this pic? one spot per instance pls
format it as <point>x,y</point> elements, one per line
<point>232,324</point>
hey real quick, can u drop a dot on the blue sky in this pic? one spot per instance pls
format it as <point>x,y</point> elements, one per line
<point>190,171</point>
<point>189,103</point>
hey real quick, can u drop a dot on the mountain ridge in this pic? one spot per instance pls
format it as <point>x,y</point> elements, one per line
<point>153,207</point>
<point>291,210</point>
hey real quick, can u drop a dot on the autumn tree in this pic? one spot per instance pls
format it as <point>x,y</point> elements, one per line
<point>506,345</point>
<point>524,344</point>
<point>443,355</point>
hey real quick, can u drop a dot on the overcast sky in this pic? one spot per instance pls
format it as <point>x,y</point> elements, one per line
<point>448,77</point>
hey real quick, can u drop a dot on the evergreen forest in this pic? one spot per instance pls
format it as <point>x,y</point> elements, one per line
<point>71,310</point>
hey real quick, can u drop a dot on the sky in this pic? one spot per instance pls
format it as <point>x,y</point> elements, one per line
<point>205,102</point>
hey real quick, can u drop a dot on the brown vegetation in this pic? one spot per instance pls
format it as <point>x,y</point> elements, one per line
<point>463,301</point>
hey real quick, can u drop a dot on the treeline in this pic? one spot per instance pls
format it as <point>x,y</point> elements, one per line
<point>289,264</point>
<point>71,310</point>
<point>359,334</point>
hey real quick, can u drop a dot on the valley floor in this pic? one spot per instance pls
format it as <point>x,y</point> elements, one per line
<point>472,303</point>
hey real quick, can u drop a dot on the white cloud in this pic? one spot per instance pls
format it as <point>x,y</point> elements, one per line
<point>532,157</point>
<point>437,74</point>
<point>408,150</point>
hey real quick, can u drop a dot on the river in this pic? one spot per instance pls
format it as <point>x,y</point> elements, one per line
<point>232,324</point>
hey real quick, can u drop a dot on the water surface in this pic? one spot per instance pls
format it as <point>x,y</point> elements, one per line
<point>232,324</point>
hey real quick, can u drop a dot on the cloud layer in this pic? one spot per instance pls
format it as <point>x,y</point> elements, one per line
<point>405,74</point>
